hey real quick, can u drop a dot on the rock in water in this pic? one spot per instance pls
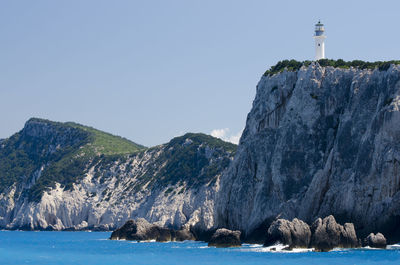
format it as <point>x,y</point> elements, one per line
<point>141,230</point>
<point>225,238</point>
<point>134,230</point>
<point>182,235</point>
<point>279,232</point>
<point>375,241</point>
<point>327,234</point>
<point>349,237</point>
<point>296,233</point>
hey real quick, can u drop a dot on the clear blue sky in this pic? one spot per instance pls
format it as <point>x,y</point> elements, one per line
<point>152,70</point>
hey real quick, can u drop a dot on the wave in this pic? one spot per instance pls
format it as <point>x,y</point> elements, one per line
<point>279,248</point>
<point>394,246</point>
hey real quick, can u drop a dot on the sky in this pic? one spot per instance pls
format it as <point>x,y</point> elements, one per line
<point>152,70</point>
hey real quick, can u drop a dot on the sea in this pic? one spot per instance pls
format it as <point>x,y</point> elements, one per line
<point>21,247</point>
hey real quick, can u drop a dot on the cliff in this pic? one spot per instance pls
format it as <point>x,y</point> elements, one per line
<point>318,141</point>
<point>321,139</point>
<point>67,176</point>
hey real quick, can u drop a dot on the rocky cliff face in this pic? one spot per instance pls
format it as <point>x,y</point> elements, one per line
<point>54,176</point>
<point>318,141</point>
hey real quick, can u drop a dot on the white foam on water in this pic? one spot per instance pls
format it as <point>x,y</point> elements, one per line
<point>300,250</point>
<point>340,249</point>
<point>279,248</point>
<point>252,245</point>
<point>394,246</point>
<point>370,248</point>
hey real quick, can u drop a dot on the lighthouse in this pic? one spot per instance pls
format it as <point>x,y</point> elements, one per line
<point>319,41</point>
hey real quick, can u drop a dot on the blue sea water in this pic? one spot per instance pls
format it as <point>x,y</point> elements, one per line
<point>17,247</point>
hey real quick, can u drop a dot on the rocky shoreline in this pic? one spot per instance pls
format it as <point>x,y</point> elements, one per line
<point>141,230</point>
<point>322,235</point>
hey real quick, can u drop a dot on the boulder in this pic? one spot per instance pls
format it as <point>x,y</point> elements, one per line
<point>295,233</point>
<point>348,237</point>
<point>225,238</point>
<point>375,241</point>
<point>327,234</point>
<point>182,235</point>
<point>138,229</point>
<point>141,230</point>
<point>161,234</point>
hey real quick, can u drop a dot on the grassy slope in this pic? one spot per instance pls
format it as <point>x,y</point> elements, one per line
<point>21,155</point>
<point>106,143</point>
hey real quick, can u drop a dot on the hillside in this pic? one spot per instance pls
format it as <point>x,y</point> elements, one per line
<point>102,143</point>
<point>59,152</point>
<point>68,176</point>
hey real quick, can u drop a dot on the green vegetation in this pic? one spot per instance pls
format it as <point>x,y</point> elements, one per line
<point>382,66</point>
<point>200,138</point>
<point>14,163</point>
<point>105,143</point>
<point>63,152</point>
<point>293,65</point>
<point>194,158</point>
<point>40,143</point>
<point>290,65</point>
<point>64,149</point>
<point>188,159</point>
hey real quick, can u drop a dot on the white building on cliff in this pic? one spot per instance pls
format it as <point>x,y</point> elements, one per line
<point>319,41</point>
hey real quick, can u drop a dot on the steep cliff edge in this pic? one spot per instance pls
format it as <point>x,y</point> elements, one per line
<point>67,176</point>
<point>318,141</point>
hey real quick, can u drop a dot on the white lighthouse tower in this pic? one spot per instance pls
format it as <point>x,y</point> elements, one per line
<point>319,41</point>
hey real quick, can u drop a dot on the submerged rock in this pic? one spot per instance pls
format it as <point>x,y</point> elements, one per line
<point>141,230</point>
<point>375,241</point>
<point>295,233</point>
<point>225,238</point>
<point>328,234</point>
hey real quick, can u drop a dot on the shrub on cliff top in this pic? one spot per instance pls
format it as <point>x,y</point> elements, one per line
<point>293,65</point>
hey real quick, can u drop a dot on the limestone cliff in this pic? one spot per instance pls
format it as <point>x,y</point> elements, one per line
<point>67,176</point>
<point>318,141</point>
